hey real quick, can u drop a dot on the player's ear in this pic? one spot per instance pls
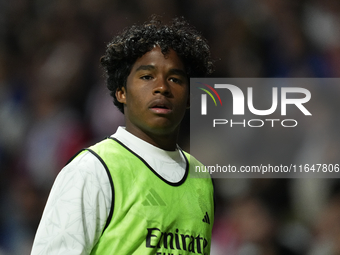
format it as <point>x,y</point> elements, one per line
<point>121,95</point>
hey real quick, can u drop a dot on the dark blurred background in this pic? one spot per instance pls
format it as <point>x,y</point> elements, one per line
<point>53,101</point>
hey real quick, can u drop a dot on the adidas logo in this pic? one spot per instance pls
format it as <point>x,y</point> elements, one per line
<point>206,218</point>
<point>153,199</point>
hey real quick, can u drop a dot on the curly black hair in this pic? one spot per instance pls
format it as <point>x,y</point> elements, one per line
<point>123,51</point>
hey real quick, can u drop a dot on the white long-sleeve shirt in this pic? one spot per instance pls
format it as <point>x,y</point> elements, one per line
<point>80,200</point>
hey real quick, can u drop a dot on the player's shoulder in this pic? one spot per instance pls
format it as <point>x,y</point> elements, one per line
<point>83,159</point>
<point>97,153</point>
<point>85,167</point>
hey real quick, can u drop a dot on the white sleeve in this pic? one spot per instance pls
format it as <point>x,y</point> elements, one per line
<point>77,209</point>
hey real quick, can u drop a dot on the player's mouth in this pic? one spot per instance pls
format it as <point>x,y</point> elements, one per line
<point>160,107</point>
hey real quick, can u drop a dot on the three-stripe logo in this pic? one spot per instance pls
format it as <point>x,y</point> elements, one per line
<point>206,218</point>
<point>153,199</point>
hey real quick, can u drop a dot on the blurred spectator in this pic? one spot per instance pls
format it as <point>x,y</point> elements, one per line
<point>327,229</point>
<point>104,117</point>
<point>252,229</point>
<point>56,132</point>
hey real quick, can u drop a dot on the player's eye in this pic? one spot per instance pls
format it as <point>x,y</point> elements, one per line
<point>146,77</point>
<point>175,80</point>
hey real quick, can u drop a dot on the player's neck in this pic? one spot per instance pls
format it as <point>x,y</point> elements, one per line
<point>166,142</point>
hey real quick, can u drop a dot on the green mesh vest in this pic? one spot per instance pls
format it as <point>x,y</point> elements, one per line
<point>150,215</point>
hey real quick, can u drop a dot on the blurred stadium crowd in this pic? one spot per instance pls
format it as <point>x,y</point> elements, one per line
<point>53,101</point>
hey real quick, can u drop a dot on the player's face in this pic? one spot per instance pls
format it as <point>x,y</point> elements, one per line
<point>156,94</point>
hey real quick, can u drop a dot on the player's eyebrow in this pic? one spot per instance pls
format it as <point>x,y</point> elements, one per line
<point>173,71</point>
<point>146,68</point>
<point>178,72</point>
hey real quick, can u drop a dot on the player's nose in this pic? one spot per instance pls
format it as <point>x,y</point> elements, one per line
<point>162,86</point>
